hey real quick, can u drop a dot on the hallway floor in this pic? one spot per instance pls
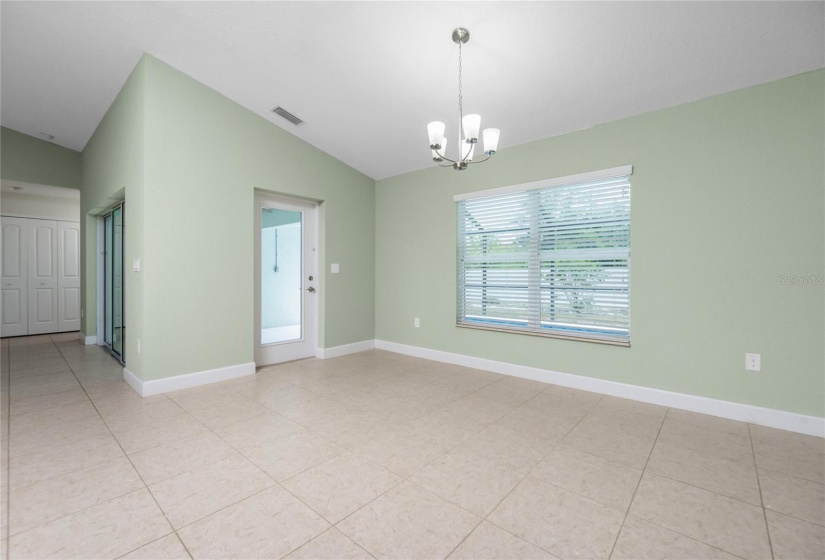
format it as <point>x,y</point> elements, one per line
<point>383,455</point>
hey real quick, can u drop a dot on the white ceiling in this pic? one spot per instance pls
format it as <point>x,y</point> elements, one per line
<point>366,77</point>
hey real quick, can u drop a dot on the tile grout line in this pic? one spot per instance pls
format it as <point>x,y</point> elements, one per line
<point>126,455</point>
<point>276,482</point>
<point>692,486</point>
<point>761,497</point>
<point>644,469</point>
<point>453,448</point>
<point>156,540</point>
<point>407,479</point>
<point>523,478</point>
<point>8,525</point>
<point>7,456</point>
<point>797,477</point>
<point>8,459</point>
<point>403,478</point>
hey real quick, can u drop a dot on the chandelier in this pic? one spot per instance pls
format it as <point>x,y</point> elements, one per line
<point>470,125</point>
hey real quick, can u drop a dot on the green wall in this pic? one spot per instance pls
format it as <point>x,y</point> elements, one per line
<point>728,198</point>
<point>32,160</point>
<point>204,157</point>
<point>113,170</point>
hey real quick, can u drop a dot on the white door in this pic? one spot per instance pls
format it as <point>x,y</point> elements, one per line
<point>68,276</point>
<point>14,277</point>
<point>286,280</point>
<point>42,255</point>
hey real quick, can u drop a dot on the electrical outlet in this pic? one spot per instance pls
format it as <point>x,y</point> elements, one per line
<point>753,362</point>
<point>416,322</point>
<point>138,346</point>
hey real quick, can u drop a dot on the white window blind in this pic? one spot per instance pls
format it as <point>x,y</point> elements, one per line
<point>548,260</point>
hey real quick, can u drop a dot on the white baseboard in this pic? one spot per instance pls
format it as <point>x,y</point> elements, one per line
<point>186,381</point>
<point>345,349</point>
<point>87,340</point>
<point>791,421</point>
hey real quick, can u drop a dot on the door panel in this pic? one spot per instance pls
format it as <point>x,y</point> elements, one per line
<point>285,280</point>
<point>42,276</point>
<point>43,308</point>
<point>14,277</point>
<point>68,277</point>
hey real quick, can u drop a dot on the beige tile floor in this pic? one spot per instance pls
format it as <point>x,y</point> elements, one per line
<point>382,455</point>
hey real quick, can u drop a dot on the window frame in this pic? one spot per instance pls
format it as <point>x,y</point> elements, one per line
<point>533,258</point>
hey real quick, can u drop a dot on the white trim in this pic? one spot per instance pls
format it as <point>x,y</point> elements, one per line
<point>554,182</point>
<point>791,421</point>
<point>52,218</point>
<point>87,340</point>
<point>134,382</point>
<point>187,380</point>
<point>343,350</point>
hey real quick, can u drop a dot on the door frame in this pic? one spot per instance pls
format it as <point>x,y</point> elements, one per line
<point>312,306</point>
<point>101,281</point>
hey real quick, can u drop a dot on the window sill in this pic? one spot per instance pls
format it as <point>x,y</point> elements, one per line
<point>624,343</point>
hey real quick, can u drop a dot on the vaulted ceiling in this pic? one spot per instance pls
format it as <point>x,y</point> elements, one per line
<point>366,77</point>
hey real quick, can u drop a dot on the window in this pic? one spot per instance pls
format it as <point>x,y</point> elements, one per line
<point>548,258</point>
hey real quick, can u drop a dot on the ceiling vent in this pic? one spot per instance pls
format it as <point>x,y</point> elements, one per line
<point>287,115</point>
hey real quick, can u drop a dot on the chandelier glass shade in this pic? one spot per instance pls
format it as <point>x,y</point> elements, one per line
<point>468,127</point>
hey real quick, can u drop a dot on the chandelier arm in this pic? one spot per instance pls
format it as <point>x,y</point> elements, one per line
<point>480,160</point>
<point>448,159</point>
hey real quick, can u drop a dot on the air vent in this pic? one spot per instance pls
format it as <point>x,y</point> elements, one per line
<point>287,115</point>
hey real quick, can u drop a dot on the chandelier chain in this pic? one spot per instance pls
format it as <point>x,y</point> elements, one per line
<point>460,99</point>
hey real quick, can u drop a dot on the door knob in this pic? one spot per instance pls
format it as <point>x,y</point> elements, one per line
<point>311,289</point>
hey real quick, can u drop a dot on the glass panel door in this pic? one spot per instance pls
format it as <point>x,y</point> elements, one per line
<point>113,327</point>
<point>108,231</point>
<point>281,266</point>
<point>286,283</point>
<point>117,281</point>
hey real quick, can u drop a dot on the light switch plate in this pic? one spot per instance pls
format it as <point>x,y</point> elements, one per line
<point>136,264</point>
<point>334,268</point>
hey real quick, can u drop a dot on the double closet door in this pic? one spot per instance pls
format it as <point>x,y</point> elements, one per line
<point>40,276</point>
